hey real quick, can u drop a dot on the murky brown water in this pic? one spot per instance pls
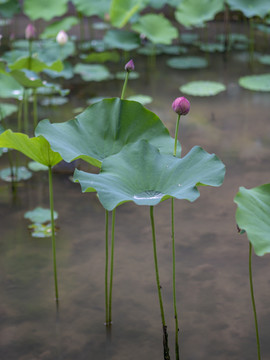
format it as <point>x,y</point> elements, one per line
<point>215,313</point>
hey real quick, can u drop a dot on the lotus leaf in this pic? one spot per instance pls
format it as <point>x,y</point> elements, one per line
<point>156,28</point>
<point>89,8</point>
<point>264,59</point>
<point>7,110</point>
<point>140,173</point>
<point>103,129</point>
<point>214,47</point>
<point>36,148</point>
<point>256,82</point>
<point>102,57</point>
<point>53,101</point>
<point>121,75</point>
<point>9,8</point>
<point>64,24</point>
<point>93,72</point>
<point>36,65</point>
<point>202,88</point>
<point>122,10</point>
<point>10,88</point>
<point>40,215</point>
<point>250,8</point>
<point>122,39</point>
<point>66,73</point>
<point>19,173</point>
<point>36,166</point>
<point>187,62</point>
<point>252,215</point>
<point>44,9</point>
<point>27,78</point>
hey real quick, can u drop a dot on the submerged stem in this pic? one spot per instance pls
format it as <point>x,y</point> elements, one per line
<point>106,264</point>
<point>53,233</point>
<point>253,303</point>
<point>156,265</point>
<point>124,86</point>
<point>111,275</point>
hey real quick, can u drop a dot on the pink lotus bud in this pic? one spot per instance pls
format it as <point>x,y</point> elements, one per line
<point>129,66</point>
<point>181,106</point>
<point>30,32</point>
<point>62,37</point>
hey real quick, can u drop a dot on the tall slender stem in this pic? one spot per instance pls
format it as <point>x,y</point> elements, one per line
<point>156,265</point>
<point>53,234</point>
<point>35,109</point>
<point>176,134</point>
<point>253,303</point>
<point>106,264</point>
<point>112,261</point>
<point>19,123</point>
<point>124,86</point>
<point>25,105</point>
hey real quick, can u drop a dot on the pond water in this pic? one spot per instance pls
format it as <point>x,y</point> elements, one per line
<point>215,313</point>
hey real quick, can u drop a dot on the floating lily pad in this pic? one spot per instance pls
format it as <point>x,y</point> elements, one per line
<point>187,62</point>
<point>10,88</point>
<point>40,215</point>
<point>64,24</point>
<point>214,47</point>
<point>19,173</point>
<point>7,110</point>
<point>256,82</point>
<point>102,57</point>
<point>66,73</point>
<point>143,99</point>
<point>44,9</point>
<point>196,13</point>
<point>149,50</point>
<point>189,38</point>
<point>252,215</point>
<point>51,88</point>
<point>40,230</point>
<point>202,88</point>
<point>122,39</point>
<point>250,8</point>
<point>156,28</point>
<point>121,75</point>
<point>27,78</point>
<point>53,101</point>
<point>264,59</point>
<point>36,65</point>
<point>94,100</point>
<point>93,72</point>
<point>35,166</point>
<point>172,49</point>
<point>140,173</point>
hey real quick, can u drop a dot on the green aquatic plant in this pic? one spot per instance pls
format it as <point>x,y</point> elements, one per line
<point>37,149</point>
<point>202,88</point>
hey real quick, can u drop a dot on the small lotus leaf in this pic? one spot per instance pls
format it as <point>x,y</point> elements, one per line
<point>264,59</point>
<point>121,11</point>
<point>36,148</point>
<point>66,73</point>
<point>44,9</point>
<point>252,215</point>
<point>36,166</point>
<point>35,65</point>
<point>53,101</point>
<point>27,78</point>
<point>40,215</point>
<point>250,8</point>
<point>143,99</point>
<point>196,13</point>
<point>202,88</point>
<point>19,173</point>
<point>103,129</point>
<point>189,38</point>
<point>256,82</point>
<point>121,75</point>
<point>9,8</point>
<point>187,62</point>
<point>40,230</point>
<point>7,110</point>
<point>172,49</point>
<point>212,47</point>
<point>102,57</point>
<point>10,88</point>
<point>140,173</point>
<point>64,24</point>
<point>93,72</point>
<point>89,8</point>
<point>122,39</point>
<point>156,28</point>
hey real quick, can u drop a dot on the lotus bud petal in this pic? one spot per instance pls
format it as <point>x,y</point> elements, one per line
<point>62,37</point>
<point>129,66</point>
<point>30,32</point>
<point>181,106</point>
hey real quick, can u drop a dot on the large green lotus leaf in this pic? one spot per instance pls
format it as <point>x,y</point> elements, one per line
<point>36,148</point>
<point>9,8</point>
<point>187,62</point>
<point>196,13</point>
<point>93,72</point>
<point>256,82</point>
<point>66,73</point>
<point>156,28</point>
<point>250,8</point>
<point>89,8</point>
<point>7,110</point>
<point>101,57</point>
<point>202,88</point>
<point>27,79</point>
<point>40,215</point>
<point>122,39</point>
<point>103,129</point>
<point>252,215</point>
<point>140,173</point>
<point>36,65</point>
<point>64,24</point>
<point>44,9</point>
<point>50,51</point>
<point>10,88</point>
<point>122,10</point>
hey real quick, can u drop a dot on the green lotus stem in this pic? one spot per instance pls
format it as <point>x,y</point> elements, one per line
<point>29,54</point>
<point>156,265</point>
<point>112,260</point>
<point>124,86</point>
<point>251,42</point>
<point>25,107</point>
<point>53,234</point>
<point>106,264</point>
<point>253,303</point>
<point>176,134</point>
<point>19,120</point>
<point>35,109</point>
